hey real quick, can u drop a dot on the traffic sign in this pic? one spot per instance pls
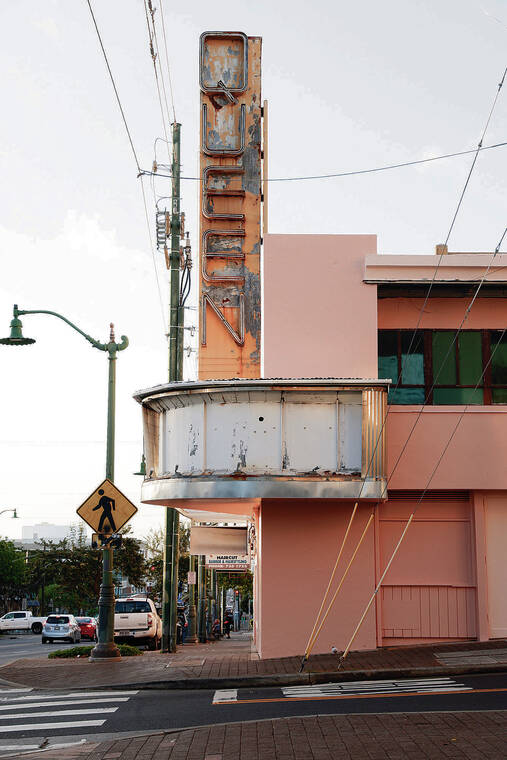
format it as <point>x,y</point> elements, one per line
<point>106,510</point>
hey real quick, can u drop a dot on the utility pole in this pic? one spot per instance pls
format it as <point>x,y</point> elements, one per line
<point>176,325</point>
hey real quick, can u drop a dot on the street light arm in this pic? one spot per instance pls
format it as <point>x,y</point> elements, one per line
<point>95,343</point>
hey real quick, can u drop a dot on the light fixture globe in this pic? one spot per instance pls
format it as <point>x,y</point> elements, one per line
<point>16,337</point>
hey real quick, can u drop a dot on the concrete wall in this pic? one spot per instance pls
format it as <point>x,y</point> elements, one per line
<point>299,545</point>
<point>320,319</point>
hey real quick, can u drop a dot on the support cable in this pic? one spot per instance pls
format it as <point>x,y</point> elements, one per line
<point>393,555</point>
<point>340,584</point>
<point>306,654</point>
<point>432,282</point>
<point>314,635</point>
<point>459,329</point>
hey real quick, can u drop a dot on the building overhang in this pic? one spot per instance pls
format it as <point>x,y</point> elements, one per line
<point>236,441</point>
<point>451,269</point>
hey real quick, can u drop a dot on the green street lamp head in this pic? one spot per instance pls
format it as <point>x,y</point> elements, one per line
<point>15,515</point>
<point>16,337</point>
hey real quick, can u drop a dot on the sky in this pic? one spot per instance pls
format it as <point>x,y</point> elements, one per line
<point>350,86</point>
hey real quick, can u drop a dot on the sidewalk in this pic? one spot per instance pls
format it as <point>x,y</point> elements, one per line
<point>397,736</point>
<point>232,664</point>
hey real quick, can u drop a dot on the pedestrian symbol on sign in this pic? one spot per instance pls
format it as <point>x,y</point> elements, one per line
<point>106,503</point>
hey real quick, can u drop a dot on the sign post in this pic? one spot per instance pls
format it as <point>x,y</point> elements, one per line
<point>106,510</point>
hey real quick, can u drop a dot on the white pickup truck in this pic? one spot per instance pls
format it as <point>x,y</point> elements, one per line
<point>136,619</point>
<point>21,620</point>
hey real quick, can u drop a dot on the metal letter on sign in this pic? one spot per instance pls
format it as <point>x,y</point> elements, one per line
<point>106,510</point>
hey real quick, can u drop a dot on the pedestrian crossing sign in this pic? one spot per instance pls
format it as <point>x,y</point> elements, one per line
<point>106,510</point>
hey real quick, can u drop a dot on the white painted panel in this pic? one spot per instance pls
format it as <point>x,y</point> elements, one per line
<point>310,437</point>
<point>184,440</point>
<point>350,419</point>
<point>238,439</point>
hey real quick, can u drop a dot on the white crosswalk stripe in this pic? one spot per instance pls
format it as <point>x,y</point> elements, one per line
<point>21,713</point>
<point>353,688</point>
<point>225,695</point>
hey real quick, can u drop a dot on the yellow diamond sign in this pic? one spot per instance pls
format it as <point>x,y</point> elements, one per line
<point>106,510</point>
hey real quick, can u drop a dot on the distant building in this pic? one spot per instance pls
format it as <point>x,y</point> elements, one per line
<point>45,532</point>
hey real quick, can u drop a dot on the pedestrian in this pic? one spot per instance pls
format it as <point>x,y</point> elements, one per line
<point>227,627</point>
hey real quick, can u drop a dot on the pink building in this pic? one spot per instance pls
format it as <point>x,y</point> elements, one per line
<point>293,456</point>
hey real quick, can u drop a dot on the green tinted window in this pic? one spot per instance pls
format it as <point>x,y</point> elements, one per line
<point>388,355</point>
<point>499,358</point>
<point>458,396</point>
<point>406,396</point>
<point>499,395</point>
<point>470,358</point>
<point>412,359</point>
<point>444,358</point>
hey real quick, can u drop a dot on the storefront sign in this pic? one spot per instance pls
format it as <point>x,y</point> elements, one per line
<point>231,562</point>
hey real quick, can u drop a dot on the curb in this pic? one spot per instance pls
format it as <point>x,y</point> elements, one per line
<point>290,679</point>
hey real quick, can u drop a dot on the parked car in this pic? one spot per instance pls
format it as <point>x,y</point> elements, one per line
<point>62,627</point>
<point>21,620</point>
<point>136,619</point>
<point>88,627</point>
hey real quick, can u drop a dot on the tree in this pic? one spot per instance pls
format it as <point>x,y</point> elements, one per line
<point>73,571</point>
<point>12,574</point>
<point>242,582</point>
<point>154,542</point>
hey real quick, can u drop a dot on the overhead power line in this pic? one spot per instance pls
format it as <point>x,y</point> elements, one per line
<point>139,173</point>
<point>167,61</point>
<point>114,87</point>
<point>358,171</point>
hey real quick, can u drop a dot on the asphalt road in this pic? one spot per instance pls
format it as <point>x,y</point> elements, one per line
<point>18,645</point>
<point>30,717</point>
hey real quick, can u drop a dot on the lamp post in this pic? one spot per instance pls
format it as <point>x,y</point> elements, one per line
<point>106,648</point>
<point>14,516</point>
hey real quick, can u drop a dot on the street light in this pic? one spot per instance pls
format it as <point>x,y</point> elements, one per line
<point>10,510</point>
<point>106,648</point>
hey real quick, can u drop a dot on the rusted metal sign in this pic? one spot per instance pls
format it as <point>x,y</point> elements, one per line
<point>230,239</point>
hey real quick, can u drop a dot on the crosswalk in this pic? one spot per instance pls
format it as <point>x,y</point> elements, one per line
<point>373,688</point>
<point>25,713</point>
<point>344,689</point>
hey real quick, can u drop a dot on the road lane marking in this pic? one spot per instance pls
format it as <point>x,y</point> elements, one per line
<point>364,696</point>
<point>45,726</point>
<point>224,696</point>
<point>58,713</point>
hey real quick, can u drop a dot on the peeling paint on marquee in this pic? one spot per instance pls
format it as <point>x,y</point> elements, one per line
<point>230,232</point>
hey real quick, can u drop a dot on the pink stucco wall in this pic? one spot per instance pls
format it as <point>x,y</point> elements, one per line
<point>441,313</point>
<point>475,459</point>
<point>320,319</point>
<point>299,544</point>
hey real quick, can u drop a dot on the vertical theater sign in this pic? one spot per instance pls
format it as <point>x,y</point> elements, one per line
<point>230,232</point>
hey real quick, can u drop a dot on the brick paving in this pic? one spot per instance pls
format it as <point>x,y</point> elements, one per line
<point>229,658</point>
<point>400,736</point>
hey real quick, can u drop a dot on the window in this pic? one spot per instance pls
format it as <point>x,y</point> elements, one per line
<point>19,615</point>
<point>131,606</point>
<point>436,367</point>
<point>57,619</point>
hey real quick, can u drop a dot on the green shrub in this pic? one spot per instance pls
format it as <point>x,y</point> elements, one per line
<point>125,650</point>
